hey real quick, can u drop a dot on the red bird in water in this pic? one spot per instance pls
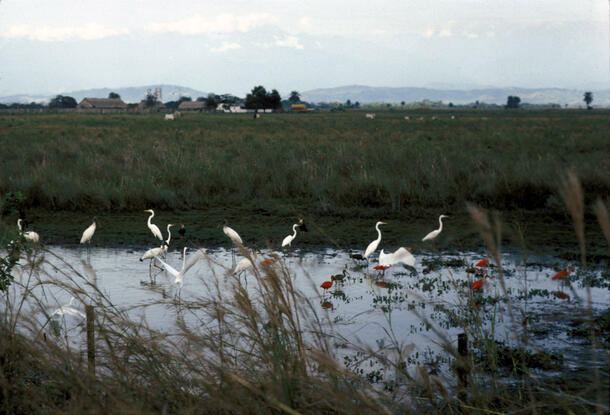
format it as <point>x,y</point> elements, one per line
<point>561,296</point>
<point>269,261</point>
<point>477,285</point>
<point>381,268</point>
<point>561,275</point>
<point>326,285</point>
<point>482,263</point>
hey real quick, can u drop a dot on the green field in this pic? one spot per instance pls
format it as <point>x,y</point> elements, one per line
<point>321,165</point>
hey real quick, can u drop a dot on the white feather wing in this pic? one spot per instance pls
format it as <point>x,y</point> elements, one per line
<point>193,259</point>
<point>168,267</point>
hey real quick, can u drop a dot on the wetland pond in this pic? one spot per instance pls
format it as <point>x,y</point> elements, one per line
<point>425,306</point>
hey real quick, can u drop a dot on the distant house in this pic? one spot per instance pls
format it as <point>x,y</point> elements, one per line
<point>192,106</point>
<point>157,106</point>
<point>101,105</point>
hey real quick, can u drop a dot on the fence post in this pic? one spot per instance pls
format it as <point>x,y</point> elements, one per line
<point>90,312</point>
<point>462,367</point>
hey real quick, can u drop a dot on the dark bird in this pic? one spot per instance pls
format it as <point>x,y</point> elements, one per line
<point>182,231</point>
<point>302,226</point>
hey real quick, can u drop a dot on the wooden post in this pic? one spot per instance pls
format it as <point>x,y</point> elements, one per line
<point>462,367</point>
<point>90,312</point>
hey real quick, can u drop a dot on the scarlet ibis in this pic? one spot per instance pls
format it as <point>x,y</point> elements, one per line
<point>477,285</point>
<point>400,255</point>
<point>381,284</point>
<point>326,285</point>
<point>435,233</point>
<point>153,228</point>
<point>30,235</point>
<point>269,261</point>
<point>482,263</point>
<point>561,275</point>
<point>373,245</point>
<point>381,268</point>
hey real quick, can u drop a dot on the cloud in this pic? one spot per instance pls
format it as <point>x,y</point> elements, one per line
<point>289,42</point>
<point>45,33</point>
<point>225,46</point>
<point>222,23</point>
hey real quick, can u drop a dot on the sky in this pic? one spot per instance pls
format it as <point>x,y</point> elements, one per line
<point>229,46</point>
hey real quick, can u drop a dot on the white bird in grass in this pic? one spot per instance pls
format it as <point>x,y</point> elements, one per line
<point>169,234</point>
<point>88,233</point>
<point>152,254</point>
<point>68,309</point>
<point>154,228</point>
<point>243,265</point>
<point>29,235</point>
<point>435,233</point>
<point>185,266</point>
<point>400,255</point>
<point>288,240</point>
<point>373,245</point>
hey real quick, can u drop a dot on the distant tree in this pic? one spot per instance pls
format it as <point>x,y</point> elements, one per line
<point>151,100</point>
<point>274,100</point>
<point>588,98</point>
<point>357,104</point>
<point>295,97</point>
<point>114,95</point>
<point>348,103</point>
<point>61,101</point>
<point>211,101</point>
<point>259,98</point>
<point>513,102</point>
<point>402,103</point>
<point>201,99</point>
<point>451,105</point>
<point>184,99</point>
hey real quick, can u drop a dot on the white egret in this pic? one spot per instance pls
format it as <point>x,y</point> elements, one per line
<point>68,309</point>
<point>243,265</point>
<point>435,233</point>
<point>233,236</point>
<point>185,266</point>
<point>400,255</point>
<point>373,245</point>
<point>152,254</point>
<point>288,240</point>
<point>153,228</point>
<point>169,233</point>
<point>29,235</point>
<point>88,233</point>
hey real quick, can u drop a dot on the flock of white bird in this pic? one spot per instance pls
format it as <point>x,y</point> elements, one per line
<point>401,255</point>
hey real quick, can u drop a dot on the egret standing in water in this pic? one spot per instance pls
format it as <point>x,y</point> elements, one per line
<point>153,228</point>
<point>152,254</point>
<point>88,234</point>
<point>373,245</point>
<point>185,266</point>
<point>435,233</point>
<point>288,240</point>
<point>233,236</point>
<point>29,235</point>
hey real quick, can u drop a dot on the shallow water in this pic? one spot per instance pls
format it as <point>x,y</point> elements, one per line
<point>364,308</point>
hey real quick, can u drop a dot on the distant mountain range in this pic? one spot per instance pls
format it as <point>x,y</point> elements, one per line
<point>130,94</point>
<point>360,93</point>
<point>368,94</point>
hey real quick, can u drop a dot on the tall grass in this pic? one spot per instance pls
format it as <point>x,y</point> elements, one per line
<point>267,349</point>
<point>323,161</point>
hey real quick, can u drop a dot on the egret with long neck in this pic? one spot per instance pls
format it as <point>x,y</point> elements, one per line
<point>153,228</point>
<point>373,245</point>
<point>288,240</point>
<point>435,233</point>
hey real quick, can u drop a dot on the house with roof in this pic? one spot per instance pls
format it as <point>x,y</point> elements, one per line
<point>101,105</point>
<point>192,106</point>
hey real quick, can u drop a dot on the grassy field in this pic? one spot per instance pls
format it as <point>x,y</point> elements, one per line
<point>323,165</point>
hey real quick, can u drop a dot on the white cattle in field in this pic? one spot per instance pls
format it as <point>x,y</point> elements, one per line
<point>370,116</point>
<point>177,114</point>
<point>407,117</point>
<point>434,118</point>
<point>453,117</point>
<point>169,117</point>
